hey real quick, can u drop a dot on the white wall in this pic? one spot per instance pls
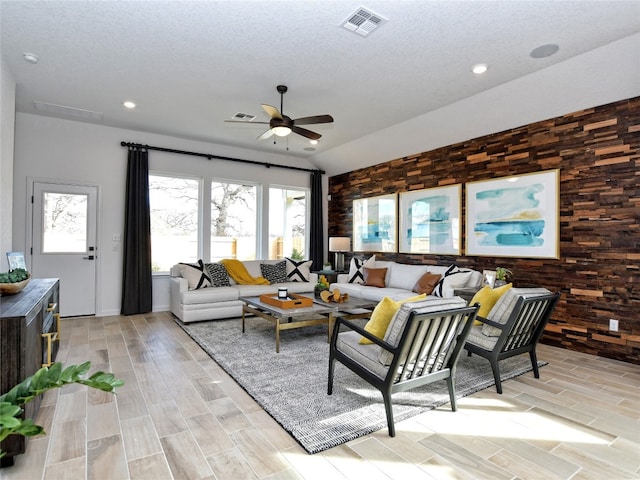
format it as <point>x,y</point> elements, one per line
<point>7,126</point>
<point>64,150</point>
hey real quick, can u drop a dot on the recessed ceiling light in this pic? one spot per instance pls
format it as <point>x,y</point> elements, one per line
<point>31,57</point>
<point>544,50</point>
<point>129,104</point>
<point>480,68</point>
<point>313,142</point>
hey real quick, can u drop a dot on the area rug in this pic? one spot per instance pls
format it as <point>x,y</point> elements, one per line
<point>292,385</point>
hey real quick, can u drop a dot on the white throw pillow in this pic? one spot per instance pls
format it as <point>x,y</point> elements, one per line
<point>405,276</point>
<point>298,270</point>
<point>356,268</point>
<point>196,274</point>
<point>454,277</point>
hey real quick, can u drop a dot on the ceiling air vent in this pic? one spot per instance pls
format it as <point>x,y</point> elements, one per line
<point>243,117</point>
<point>363,22</point>
<point>63,111</point>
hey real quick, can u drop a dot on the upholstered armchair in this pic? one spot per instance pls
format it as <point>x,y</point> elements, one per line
<point>421,346</point>
<point>513,327</point>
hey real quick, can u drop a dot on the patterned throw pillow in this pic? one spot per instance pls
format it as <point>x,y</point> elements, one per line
<point>454,277</point>
<point>298,271</point>
<point>218,274</point>
<point>275,273</point>
<point>356,269</point>
<point>196,275</point>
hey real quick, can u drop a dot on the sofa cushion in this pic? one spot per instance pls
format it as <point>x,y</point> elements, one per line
<point>196,275</point>
<point>382,314</point>
<point>454,277</point>
<point>396,326</point>
<point>426,283</point>
<point>209,295</point>
<point>218,275</point>
<point>274,273</point>
<point>298,271</point>
<point>374,277</point>
<point>502,309</point>
<point>405,276</point>
<point>356,268</point>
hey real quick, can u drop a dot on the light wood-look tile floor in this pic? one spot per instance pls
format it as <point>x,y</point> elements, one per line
<point>181,416</point>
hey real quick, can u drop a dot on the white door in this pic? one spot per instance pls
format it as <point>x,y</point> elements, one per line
<point>64,243</point>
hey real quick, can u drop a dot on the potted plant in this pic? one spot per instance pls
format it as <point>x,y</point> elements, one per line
<point>502,276</point>
<point>46,378</point>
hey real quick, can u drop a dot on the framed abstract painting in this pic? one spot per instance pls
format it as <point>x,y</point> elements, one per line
<point>374,224</point>
<point>430,221</point>
<point>514,216</point>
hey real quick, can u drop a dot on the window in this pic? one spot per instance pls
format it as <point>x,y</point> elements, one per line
<point>174,205</point>
<point>233,221</point>
<point>287,223</point>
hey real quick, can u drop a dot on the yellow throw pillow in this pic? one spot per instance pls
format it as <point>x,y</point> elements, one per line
<point>487,298</point>
<point>382,315</point>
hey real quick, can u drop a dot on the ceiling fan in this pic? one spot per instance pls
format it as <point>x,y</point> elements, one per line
<point>282,125</point>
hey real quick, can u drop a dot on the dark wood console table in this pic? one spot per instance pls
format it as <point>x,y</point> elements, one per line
<point>29,339</point>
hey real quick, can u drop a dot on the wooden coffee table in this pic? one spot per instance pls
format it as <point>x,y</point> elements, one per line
<point>286,319</point>
<point>320,313</point>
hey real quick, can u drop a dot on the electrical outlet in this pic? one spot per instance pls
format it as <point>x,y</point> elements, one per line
<point>613,325</point>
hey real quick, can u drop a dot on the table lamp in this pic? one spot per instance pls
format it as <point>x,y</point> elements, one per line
<point>339,245</point>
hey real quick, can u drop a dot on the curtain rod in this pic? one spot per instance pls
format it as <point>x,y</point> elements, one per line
<point>209,156</point>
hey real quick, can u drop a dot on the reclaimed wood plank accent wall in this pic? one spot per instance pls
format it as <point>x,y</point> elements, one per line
<point>598,153</point>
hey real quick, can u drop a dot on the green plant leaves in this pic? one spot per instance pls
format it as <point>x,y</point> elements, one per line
<point>45,379</point>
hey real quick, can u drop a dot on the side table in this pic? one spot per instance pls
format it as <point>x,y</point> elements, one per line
<point>332,277</point>
<point>466,293</point>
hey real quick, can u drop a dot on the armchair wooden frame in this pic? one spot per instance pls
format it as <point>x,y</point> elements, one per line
<point>520,334</point>
<point>423,339</point>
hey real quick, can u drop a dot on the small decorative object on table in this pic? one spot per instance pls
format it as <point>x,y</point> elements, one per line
<point>13,281</point>
<point>323,284</point>
<point>502,276</point>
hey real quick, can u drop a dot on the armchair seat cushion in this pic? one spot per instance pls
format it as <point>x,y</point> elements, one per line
<point>478,338</point>
<point>365,355</point>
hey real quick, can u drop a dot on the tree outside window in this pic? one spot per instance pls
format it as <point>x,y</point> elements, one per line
<point>287,223</point>
<point>233,221</point>
<point>173,203</point>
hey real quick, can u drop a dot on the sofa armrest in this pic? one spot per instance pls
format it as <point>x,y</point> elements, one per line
<point>343,278</point>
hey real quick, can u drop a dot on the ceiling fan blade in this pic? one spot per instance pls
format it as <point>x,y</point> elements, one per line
<point>266,135</point>
<point>305,133</point>
<point>273,112</point>
<point>246,123</point>
<point>314,119</point>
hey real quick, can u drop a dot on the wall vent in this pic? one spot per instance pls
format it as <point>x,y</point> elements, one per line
<point>244,117</point>
<point>363,22</point>
<point>63,111</point>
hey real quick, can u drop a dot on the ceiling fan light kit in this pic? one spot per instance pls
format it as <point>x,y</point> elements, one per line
<point>281,125</point>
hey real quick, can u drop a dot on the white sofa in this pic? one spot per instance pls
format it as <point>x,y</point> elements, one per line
<point>212,303</point>
<point>400,279</point>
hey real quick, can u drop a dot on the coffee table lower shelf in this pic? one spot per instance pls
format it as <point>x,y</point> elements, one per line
<point>283,322</point>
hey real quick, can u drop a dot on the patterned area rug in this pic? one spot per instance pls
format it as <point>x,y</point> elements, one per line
<point>292,385</point>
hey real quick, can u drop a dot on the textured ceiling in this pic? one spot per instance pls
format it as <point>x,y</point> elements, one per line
<point>190,66</point>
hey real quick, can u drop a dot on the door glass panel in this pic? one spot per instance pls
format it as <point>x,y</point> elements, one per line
<point>64,223</point>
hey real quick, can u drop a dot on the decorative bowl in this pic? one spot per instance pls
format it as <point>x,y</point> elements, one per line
<point>13,288</point>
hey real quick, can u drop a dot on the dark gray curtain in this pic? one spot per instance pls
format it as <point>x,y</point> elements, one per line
<point>316,240</point>
<point>136,271</point>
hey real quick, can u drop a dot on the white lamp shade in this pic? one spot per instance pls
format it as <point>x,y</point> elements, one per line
<point>339,244</point>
